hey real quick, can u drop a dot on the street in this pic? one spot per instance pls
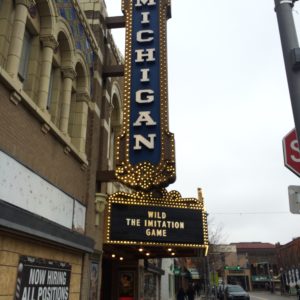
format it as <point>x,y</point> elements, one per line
<point>264,296</point>
<point>269,296</point>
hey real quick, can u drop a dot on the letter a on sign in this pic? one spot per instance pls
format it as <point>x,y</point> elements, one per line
<point>145,157</point>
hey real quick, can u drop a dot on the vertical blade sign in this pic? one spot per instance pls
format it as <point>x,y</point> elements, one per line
<point>145,151</point>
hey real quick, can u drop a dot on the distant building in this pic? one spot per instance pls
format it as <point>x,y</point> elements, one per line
<point>253,265</point>
<point>288,257</point>
<point>260,258</point>
<point>231,267</point>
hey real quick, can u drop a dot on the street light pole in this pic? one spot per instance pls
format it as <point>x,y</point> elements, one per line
<point>291,54</point>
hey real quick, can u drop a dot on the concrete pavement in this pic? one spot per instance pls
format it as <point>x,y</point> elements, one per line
<point>260,296</point>
<point>269,296</point>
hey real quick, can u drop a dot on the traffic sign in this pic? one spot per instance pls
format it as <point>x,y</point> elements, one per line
<point>232,268</point>
<point>294,199</point>
<point>291,152</point>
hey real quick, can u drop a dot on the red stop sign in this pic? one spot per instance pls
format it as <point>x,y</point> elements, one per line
<point>291,152</point>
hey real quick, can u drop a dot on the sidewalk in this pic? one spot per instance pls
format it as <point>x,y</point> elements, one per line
<point>273,296</point>
<point>203,297</point>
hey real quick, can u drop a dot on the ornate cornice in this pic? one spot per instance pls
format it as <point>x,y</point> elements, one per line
<point>69,73</point>
<point>83,97</point>
<point>27,3</point>
<point>49,41</point>
<point>110,109</point>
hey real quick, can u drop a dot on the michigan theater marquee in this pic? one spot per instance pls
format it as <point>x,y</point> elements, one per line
<point>145,155</point>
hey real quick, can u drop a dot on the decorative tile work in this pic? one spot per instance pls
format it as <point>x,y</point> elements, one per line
<point>68,11</point>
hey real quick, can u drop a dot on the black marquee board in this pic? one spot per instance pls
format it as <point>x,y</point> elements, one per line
<point>156,224</point>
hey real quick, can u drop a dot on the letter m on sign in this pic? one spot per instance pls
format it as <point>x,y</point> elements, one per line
<point>148,2</point>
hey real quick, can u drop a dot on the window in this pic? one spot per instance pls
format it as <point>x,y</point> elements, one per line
<point>50,90</point>
<point>55,94</point>
<point>24,56</point>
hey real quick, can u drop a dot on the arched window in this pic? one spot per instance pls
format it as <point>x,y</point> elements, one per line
<point>57,77</point>
<point>24,61</point>
<point>21,30</point>
<point>54,96</point>
<point>115,123</point>
<point>38,46</point>
<point>79,107</point>
<point>59,67</point>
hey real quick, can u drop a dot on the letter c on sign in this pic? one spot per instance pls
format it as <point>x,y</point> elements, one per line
<point>144,36</point>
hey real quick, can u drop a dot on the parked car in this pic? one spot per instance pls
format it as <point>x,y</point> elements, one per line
<point>235,292</point>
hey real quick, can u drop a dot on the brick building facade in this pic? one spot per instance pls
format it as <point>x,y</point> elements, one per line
<point>59,117</point>
<point>288,257</point>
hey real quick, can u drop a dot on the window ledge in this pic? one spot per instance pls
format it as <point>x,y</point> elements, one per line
<point>44,117</point>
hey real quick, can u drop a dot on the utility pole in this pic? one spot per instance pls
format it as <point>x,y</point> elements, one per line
<point>291,53</point>
<point>208,287</point>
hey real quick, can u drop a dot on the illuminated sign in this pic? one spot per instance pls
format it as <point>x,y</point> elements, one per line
<point>145,150</point>
<point>232,268</point>
<point>145,220</point>
<point>159,224</point>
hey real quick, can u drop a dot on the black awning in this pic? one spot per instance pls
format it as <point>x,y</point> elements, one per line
<point>13,218</point>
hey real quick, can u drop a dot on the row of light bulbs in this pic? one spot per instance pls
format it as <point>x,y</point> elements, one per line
<point>121,258</point>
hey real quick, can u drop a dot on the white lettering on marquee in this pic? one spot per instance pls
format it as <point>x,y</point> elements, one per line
<point>148,2</point>
<point>144,96</point>
<point>156,232</point>
<point>157,214</point>
<point>145,75</point>
<point>133,222</point>
<point>148,96</point>
<point>144,116</point>
<point>139,139</point>
<point>155,224</point>
<point>144,36</point>
<point>145,16</point>
<point>144,53</point>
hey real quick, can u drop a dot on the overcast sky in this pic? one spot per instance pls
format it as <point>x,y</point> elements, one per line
<point>229,110</point>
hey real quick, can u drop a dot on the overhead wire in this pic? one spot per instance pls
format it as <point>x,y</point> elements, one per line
<point>250,213</point>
